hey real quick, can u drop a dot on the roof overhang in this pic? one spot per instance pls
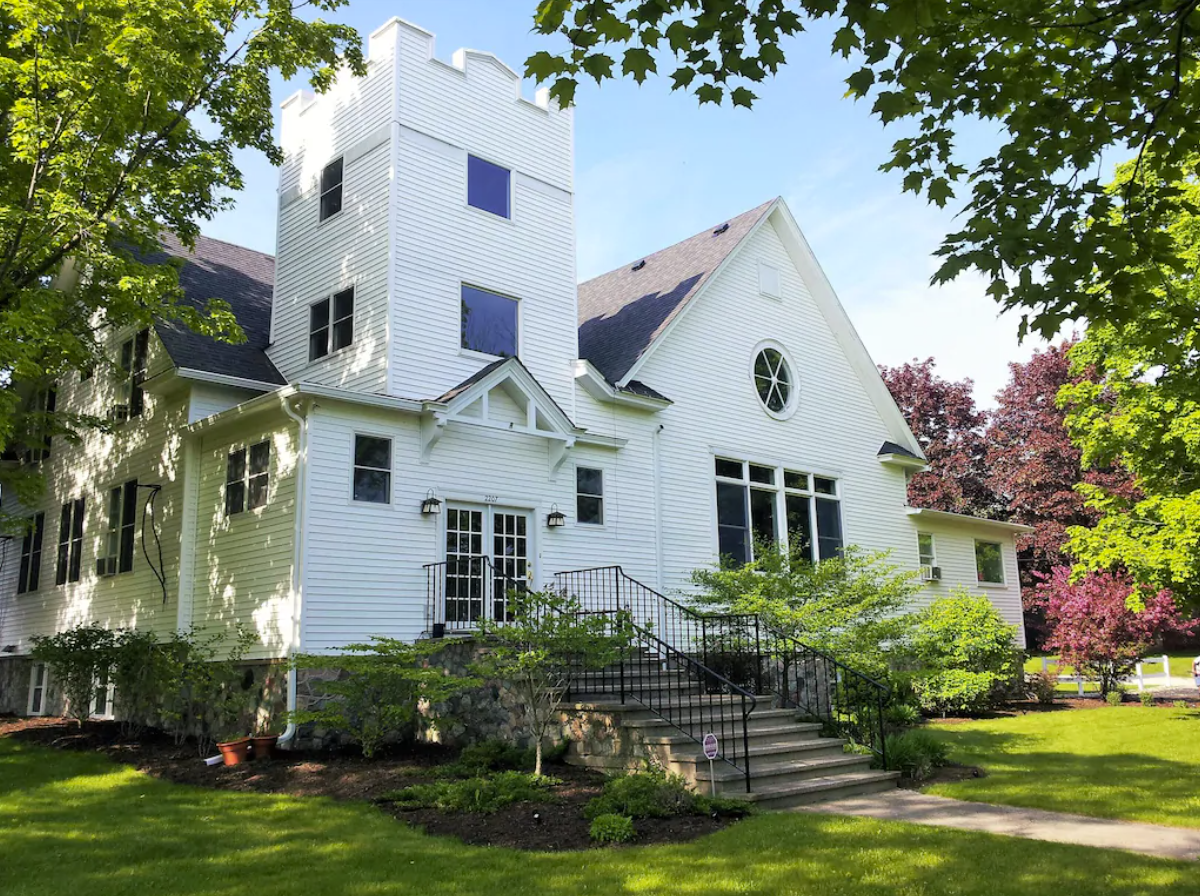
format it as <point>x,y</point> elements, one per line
<point>962,519</point>
<point>174,379</point>
<point>904,462</point>
<point>595,385</point>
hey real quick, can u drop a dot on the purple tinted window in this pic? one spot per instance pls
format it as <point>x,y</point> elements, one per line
<point>487,186</point>
<point>489,322</point>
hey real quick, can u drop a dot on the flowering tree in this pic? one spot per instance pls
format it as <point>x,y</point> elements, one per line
<point>1104,623</point>
<point>943,416</point>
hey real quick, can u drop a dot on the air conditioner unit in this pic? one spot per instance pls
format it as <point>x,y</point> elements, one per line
<point>106,566</point>
<point>118,413</point>
<point>931,573</point>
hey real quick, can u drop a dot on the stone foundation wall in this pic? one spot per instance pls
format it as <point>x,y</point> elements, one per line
<point>14,688</point>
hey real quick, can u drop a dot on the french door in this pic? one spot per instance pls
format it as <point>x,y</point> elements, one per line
<point>487,556</point>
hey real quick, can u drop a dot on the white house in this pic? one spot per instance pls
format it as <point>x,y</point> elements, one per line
<point>420,343</point>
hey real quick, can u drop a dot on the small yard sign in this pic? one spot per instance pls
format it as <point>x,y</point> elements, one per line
<point>710,753</point>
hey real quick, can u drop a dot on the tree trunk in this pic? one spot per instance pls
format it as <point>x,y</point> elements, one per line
<point>537,762</point>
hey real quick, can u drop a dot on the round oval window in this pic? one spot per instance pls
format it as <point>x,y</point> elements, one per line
<point>773,379</point>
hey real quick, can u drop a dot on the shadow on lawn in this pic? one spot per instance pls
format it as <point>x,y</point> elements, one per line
<point>115,831</point>
<point>1126,785</point>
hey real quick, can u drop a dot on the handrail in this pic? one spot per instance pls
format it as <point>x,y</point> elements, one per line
<point>494,588</point>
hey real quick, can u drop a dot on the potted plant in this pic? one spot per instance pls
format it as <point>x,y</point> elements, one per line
<point>235,752</point>
<point>263,741</point>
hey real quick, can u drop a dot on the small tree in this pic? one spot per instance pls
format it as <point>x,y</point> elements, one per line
<point>546,643</point>
<point>1104,623</point>
<point>81,658</point>
<point>852,606</point>
<point>142,674</point>
<point>966,654</point>
<point>203,693</point>
<point>379,694</point>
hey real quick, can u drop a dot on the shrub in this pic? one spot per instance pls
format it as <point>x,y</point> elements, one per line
<point>966,655</point>
<point>488,756</point>
<point>1114,698</point>
<point>143,674</point>
<point>611,828</point>
<point>480,795</point>
<point>1181,704</point>
<point>378,697</point>
<point>653,794</point>
<point>1042,686</point>
<point>902,715</point>
<point>205,692</point>
<point>1146,698</point>
<point>915,754</point>
<point>80,658</point>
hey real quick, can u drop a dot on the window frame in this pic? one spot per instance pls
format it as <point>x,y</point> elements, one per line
<point>107,686</point>
<point>462,336</point>
<point>68,567</point>
<point>29,573</point>
<point>331,323</point>
<point>781,491</point>
<point>579,520</point>
<point>390,469</point>
<point>323,191</point>
<point>932,550</point>
<point>40,688</point>
<point>123,535</point>
<point>508,199</point>
<point>135,353</point>
<point>43,401</point>
<point>792,402</point>
<point>980,580</point>
<point>247,479</point>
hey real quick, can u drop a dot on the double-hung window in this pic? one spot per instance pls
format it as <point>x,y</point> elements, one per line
<point>989,562</point>
<point>133,374</point>
<point>372,470</point>
<point>104,697</point>
<point>760,505</point>
<point>331,324</point>
<point>42,405</point>
<point>117,551</point>
<point>70,542</point>
<point>29,575</point>
<point>39,680</point>
<point>489,187</point>
<point>331,189</point>
<point>589,496</point>
<point>246,483</point>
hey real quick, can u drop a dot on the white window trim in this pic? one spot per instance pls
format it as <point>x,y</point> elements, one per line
<point>32,686</point>
<point>793,401</point>
<point>110,689</point>
<point>485,356</point>
<point>391,502</point>
<point>602,496</point>
<point>231,450</point>
<point>763,269</point>
<point>466,194</point>
<point>1003,583</point>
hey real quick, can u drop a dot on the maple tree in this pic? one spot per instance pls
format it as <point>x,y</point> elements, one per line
<point>1104,623</point>
<point>943,416</point>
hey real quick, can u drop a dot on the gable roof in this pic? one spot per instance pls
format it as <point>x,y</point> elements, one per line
<point>623,312</point>
<point>243,278</point>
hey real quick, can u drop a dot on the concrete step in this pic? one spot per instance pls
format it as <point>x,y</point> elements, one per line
<point>803,749</point>
<point>773,775</point>
<point>672,737</point>
<point>815,790</point>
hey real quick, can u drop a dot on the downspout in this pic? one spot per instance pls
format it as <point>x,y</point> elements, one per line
<point>658,524</point>
<point>297,560</point>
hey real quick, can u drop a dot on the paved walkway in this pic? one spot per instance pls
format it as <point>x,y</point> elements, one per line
<point>1033,824</point>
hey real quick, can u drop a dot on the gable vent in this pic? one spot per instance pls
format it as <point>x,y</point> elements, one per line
<point>637,267</point>
<point>720,230</point>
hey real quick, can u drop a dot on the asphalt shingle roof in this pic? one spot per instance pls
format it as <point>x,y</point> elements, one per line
<point>622,312</point>
<point>894,448</point>
<point>243,278</point>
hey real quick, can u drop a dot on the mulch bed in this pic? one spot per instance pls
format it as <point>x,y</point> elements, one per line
<point>553,826</point>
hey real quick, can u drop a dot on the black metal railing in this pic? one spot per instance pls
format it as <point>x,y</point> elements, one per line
<point>742,650</point>
<point>462,591</point>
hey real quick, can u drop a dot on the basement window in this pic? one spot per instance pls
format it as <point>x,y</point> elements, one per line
<point>39,680</point>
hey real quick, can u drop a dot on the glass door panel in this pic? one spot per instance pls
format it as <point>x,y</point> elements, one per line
<point>464,565</point>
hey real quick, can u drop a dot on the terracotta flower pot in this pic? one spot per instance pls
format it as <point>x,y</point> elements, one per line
<point>264,746</point>
<point>235,752</point>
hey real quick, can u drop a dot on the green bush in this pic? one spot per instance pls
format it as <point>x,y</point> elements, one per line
<point>965,655</point>
<point>143,675</point>
<point>902,715</point>
<point>1042,686</point>
<point>204,693</point>
<point>1146,698</point>
<point>915,754</point>
<point>481,794</point>
<point>643,795</point>
<point>80,658</point>
<point>611,828</point>
<point>488,756</point>
<point>1114,698</point>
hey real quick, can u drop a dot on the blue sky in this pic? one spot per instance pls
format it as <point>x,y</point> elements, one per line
<point>653,167</point>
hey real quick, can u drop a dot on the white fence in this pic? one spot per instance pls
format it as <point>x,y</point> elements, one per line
<point>1140,677</point>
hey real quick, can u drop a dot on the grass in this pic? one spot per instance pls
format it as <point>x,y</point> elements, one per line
<point>1111,762</point>
<point>76,823</point>
<point>1180,665</point>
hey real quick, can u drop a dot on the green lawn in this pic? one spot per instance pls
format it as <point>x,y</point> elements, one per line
<point>1111,762</point>
<point>77,824</point>
<point>1181,665</point>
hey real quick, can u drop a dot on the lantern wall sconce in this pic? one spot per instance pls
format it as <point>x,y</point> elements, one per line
<point>557,519</point>
<point>432,504</point>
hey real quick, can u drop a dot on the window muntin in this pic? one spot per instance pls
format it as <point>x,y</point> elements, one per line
<point>30,573</point>
<point>589,496</point>
<point>926,555</point>
<point>122,522</point>
<point>133,367</point>
<point>489,187</point>
<point>753,508</point>
<point>489,322</point>
<point>39,680</point>
<point>773,380</point>
<point>331,189</point>
<point>246,483</point>
<point>331,324</point>
<point>989,562</point>
<point>104,697</point>
<point>70,542</point>
<point>372,469</point>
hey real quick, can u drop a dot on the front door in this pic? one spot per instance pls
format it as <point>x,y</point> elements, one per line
<point>487,555</point>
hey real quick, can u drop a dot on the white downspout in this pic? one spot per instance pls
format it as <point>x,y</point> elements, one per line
<point>656,445</point>
<point>297,560</point>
